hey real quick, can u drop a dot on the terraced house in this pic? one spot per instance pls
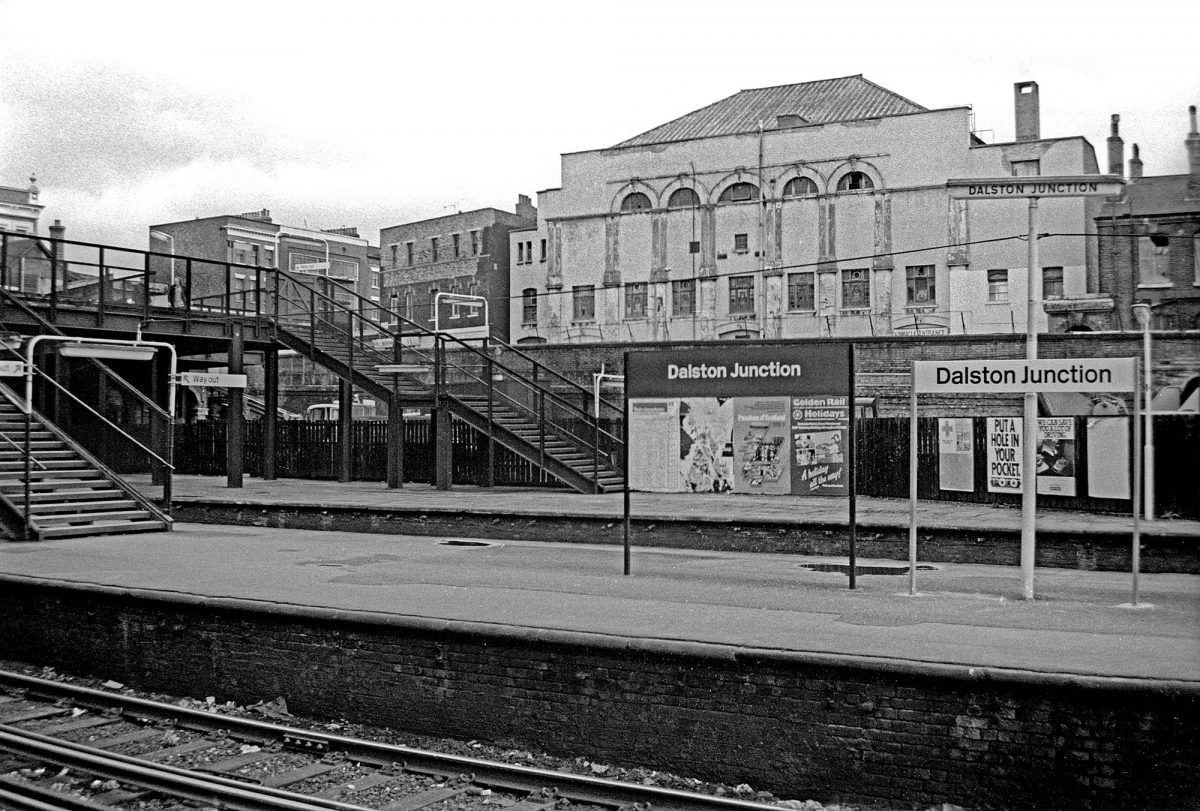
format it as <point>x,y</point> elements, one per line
<point>804,210</point>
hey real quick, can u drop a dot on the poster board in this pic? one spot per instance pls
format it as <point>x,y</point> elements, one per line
<point>956,454</point>
<point>764,420</point>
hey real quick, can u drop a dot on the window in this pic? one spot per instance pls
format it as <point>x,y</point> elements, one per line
<point>1196,260</point>
<point>855,181</point>
<point>741,243</point>
<point>921,289</point>
<point>997,285</point>
<point>635,299</point>
<point>1052,283</point>
<point>408,250</point>
<point>374,278</point>
<point>856,289</point>
<point>741,294</point>
<point>1153,255</point>
<point>583,302</point>
<point>409,305</point>
<point>635,201</point>
<point>693,247</point>
<point>683,297</point>
<point>543,255</point>
<point>739,192</point>
<point>520,253</point>
<point>395,254</point>
<point>800,291</point>
<point>268,257</point>
<point>433,292</point>
<point>529,306</point>
<point>1026,168</point>
<point>800,187</point>
<point>433,249</point>
<point>457,244</point>
<point>683,198</point>
<point>529,251</point>
<point>475,243</point>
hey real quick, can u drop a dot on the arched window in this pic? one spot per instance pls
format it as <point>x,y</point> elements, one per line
<point>855,181</point>
<point>683,198</point>
<point>800,187</point>
<point>635,201</point>
<point>739,192</point>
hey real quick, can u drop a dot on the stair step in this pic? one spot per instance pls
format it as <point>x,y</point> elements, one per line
<point>51,507</point>
<point>105,528</point>
<point>88,517</point>
<point>58,488</point>
<point>63,453</point>
<point>71,462</point>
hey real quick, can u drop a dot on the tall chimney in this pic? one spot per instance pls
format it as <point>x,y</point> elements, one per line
<point>1116,149</point>
<point>1193,150</point>
<point>1135,164</point>
<point>57,231</point>
<point>1025,100</point>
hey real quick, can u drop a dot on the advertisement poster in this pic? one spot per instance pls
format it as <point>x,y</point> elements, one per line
<point>656,425</point>
<point>1056,456</point>
<point>820,431</point>
<point>1004,454</point>
<point>760,446</point>
<point>705,430</point>
<point>956,454</point>
<point>1108,472</point>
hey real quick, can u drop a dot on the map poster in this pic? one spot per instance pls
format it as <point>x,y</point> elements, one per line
<point>654,427</point>
<point>1108,457</point>
<point>820,433</point>
<point>760,446</point>
<point>1004,454</point>
<point>956,454</point>
<point>1056,456</point>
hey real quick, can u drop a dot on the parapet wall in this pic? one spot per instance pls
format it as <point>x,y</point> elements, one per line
<point>832,728</point>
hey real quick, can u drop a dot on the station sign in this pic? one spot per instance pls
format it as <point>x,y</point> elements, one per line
<point>311,267</point>
<point>1019,376</point>
<point>1011,188</point>
<point>742,371</point>
<point>12,368</point>
<point>211,380</point>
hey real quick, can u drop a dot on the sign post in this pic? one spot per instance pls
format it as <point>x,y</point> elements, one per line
<point>1032,188</point>
<point>1028,376</point>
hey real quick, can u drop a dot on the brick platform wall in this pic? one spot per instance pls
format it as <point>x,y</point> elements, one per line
<point>803,726</point>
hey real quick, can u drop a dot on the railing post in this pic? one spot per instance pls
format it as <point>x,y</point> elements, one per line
<point>257,296</point>
<point>53,311</point>
<point>228,297</point>
<point>490,480</point>
<point>28,469</point>
<point>146,285</point>
<point>4,260</point>
<point>102,293</point>
<point>312,317</point>
<point>187,293</point>
<point>595,453</point>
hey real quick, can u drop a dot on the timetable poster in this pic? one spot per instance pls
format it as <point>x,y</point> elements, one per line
<point>956,454</point>
<point>1055,457</point>
<point>654,424</point>
<point>820,428</point>
<point>760,446</point>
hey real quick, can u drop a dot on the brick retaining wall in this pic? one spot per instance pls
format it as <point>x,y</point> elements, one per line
<point>801,725</point>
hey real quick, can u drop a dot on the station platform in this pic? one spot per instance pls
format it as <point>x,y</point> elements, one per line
<point>1080,624</point>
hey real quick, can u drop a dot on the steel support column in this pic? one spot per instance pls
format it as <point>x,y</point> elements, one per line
<point>235,423</point>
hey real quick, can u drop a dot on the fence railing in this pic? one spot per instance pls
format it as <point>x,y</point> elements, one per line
<point>310,450</point>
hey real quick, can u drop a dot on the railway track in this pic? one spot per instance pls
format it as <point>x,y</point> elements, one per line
<point>64,746</point>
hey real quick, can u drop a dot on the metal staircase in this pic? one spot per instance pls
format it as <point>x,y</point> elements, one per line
<point>523,405</point>
<point>61,490</point>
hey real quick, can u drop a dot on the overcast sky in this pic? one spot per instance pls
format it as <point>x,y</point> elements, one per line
<point>377,113</point>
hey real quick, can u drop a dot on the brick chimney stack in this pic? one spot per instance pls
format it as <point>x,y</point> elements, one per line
<point>57,231</point>
<point>1116,149</point>
<point>1029,126</point>
<point>1135,164</point>
<point>1193,150</point>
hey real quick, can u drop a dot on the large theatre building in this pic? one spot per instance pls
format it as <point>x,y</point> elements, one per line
<point>805,210</point>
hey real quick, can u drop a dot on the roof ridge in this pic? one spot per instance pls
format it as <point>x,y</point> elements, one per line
<point>811,81</point>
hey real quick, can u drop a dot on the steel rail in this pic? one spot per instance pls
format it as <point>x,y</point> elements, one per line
<point>170,780</point>
<point>577,788</point>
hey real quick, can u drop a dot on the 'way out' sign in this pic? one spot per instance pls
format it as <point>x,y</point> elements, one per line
<point>1013,376</point>
<point>213,380</point>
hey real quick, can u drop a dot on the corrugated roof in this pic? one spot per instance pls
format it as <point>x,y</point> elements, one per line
<point>845,99</point>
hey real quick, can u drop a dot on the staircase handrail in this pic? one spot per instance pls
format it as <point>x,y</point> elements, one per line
<point>444,338</point>
<point>46,326</point>
<point>582,389</point>
<point>91,459</point>
<point>17,446</point>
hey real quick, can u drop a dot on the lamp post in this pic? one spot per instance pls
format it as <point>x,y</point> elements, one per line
<point>1142,313</point>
